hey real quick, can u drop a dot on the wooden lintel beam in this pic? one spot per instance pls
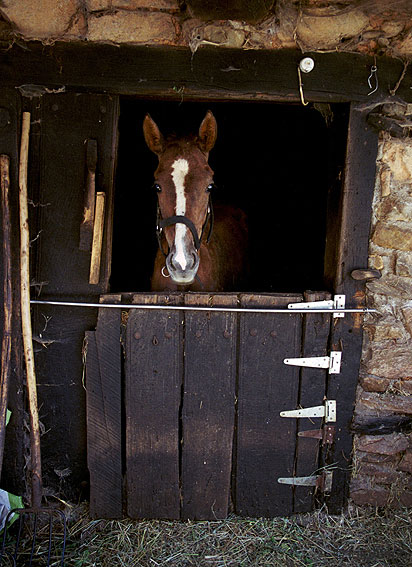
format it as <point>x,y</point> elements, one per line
<point>217,73</point>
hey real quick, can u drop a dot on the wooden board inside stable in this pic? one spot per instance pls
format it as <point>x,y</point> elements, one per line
<point>203,393</point>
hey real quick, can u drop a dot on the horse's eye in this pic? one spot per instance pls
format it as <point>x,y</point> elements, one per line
<point>157,187</point>
<point>210,187</point>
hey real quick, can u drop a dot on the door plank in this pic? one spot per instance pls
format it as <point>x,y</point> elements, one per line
<point>265,441</point>
<point>208,407</point>
<point>313,383</point>
<point>153,388</point>
<point>104,410</point>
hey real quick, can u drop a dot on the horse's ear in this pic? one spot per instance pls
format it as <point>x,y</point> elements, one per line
<point>207,132</point>
<point>152,135</point>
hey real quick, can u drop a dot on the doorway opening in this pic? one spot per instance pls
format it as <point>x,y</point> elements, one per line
<point>281,163</point>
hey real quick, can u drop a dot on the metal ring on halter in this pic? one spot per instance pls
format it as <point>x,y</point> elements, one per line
<point>163,273</point>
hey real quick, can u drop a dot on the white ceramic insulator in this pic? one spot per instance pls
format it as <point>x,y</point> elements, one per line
<point>306,64</point>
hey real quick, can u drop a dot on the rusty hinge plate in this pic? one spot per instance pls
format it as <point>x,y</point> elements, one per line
<point>326,434</point>
<point>322,482</point>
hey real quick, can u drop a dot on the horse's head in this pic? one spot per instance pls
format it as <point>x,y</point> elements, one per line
<point>183,180</point>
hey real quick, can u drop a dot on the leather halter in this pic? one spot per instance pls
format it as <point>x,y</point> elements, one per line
<point>169,221</point>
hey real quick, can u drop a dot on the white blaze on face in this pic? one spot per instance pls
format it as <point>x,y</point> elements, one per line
<point>180,169</point>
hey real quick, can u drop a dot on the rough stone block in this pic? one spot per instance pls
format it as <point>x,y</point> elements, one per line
<point>216,34</point>
<point>376,262</point>
<point>374,384</point>
<point>403,263</point>
<point>286,18</point>
<point>133,27</point>
<point>383,444</point>
<point>389,361</point>
<point>392,236</point>
<point>363,495</point>
<point>157,5</point>
<point>326,30</point>
<point>380,496</point>
<point>393,287</point>
<point>385,177</point>
<point>362,457</point>
<point>406,462</point>
<point>406,312</point>
<point>380,259</point>
<point>384,405</point>
<point>403,47</point>
<point>380,473</point>
<point>40,20</point>
<point>391,28</point>
<point>385,330</point>
<point>97,5</point>
<point>397,155</point>
<point>395,208</point>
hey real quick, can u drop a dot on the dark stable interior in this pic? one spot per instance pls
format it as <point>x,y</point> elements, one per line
<point>281,163</point>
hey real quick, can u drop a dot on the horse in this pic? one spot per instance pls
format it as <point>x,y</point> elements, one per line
<point>201,247</point>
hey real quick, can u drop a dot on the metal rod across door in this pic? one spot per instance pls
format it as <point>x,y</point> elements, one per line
<point>195,308</point>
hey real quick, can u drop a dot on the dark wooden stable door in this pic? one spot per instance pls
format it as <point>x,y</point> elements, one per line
<point>203,394</point>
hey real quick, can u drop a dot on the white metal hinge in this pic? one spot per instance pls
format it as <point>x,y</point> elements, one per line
<point>323,481</point>
<point>331,362</point>
<point>338,302</point>
<point>328,411</point>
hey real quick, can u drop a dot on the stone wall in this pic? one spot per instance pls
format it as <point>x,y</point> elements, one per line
<point>383,441</point>
<point>377,27</point>
<point>383,413</point>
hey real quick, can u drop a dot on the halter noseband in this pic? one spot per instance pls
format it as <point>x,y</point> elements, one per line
<point>163,223</point>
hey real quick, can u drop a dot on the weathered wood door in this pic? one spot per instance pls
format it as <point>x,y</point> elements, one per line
<point>61,125</point>
<point>202,433</point>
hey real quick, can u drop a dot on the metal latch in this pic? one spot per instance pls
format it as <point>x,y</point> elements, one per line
<point>322,482</point>
<point>338,302</point>
<point>326,434</point>
<point>328,411</point>
<point>332,362</point>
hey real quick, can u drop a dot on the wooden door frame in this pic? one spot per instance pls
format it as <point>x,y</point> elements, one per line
<point>352,253</point>
<point>229,74</point>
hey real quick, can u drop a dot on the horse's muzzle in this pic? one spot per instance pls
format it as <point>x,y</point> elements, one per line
<point>182,270</point>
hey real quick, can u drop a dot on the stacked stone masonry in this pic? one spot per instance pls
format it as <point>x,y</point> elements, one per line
<point>382,470</point>
<point>378,27</point>
<point>383,413</point>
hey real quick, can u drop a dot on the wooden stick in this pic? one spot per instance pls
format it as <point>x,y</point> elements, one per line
<point>86,227</point>
<point>25,315</point>
<point>97,239</point>
<point>8,300</point>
